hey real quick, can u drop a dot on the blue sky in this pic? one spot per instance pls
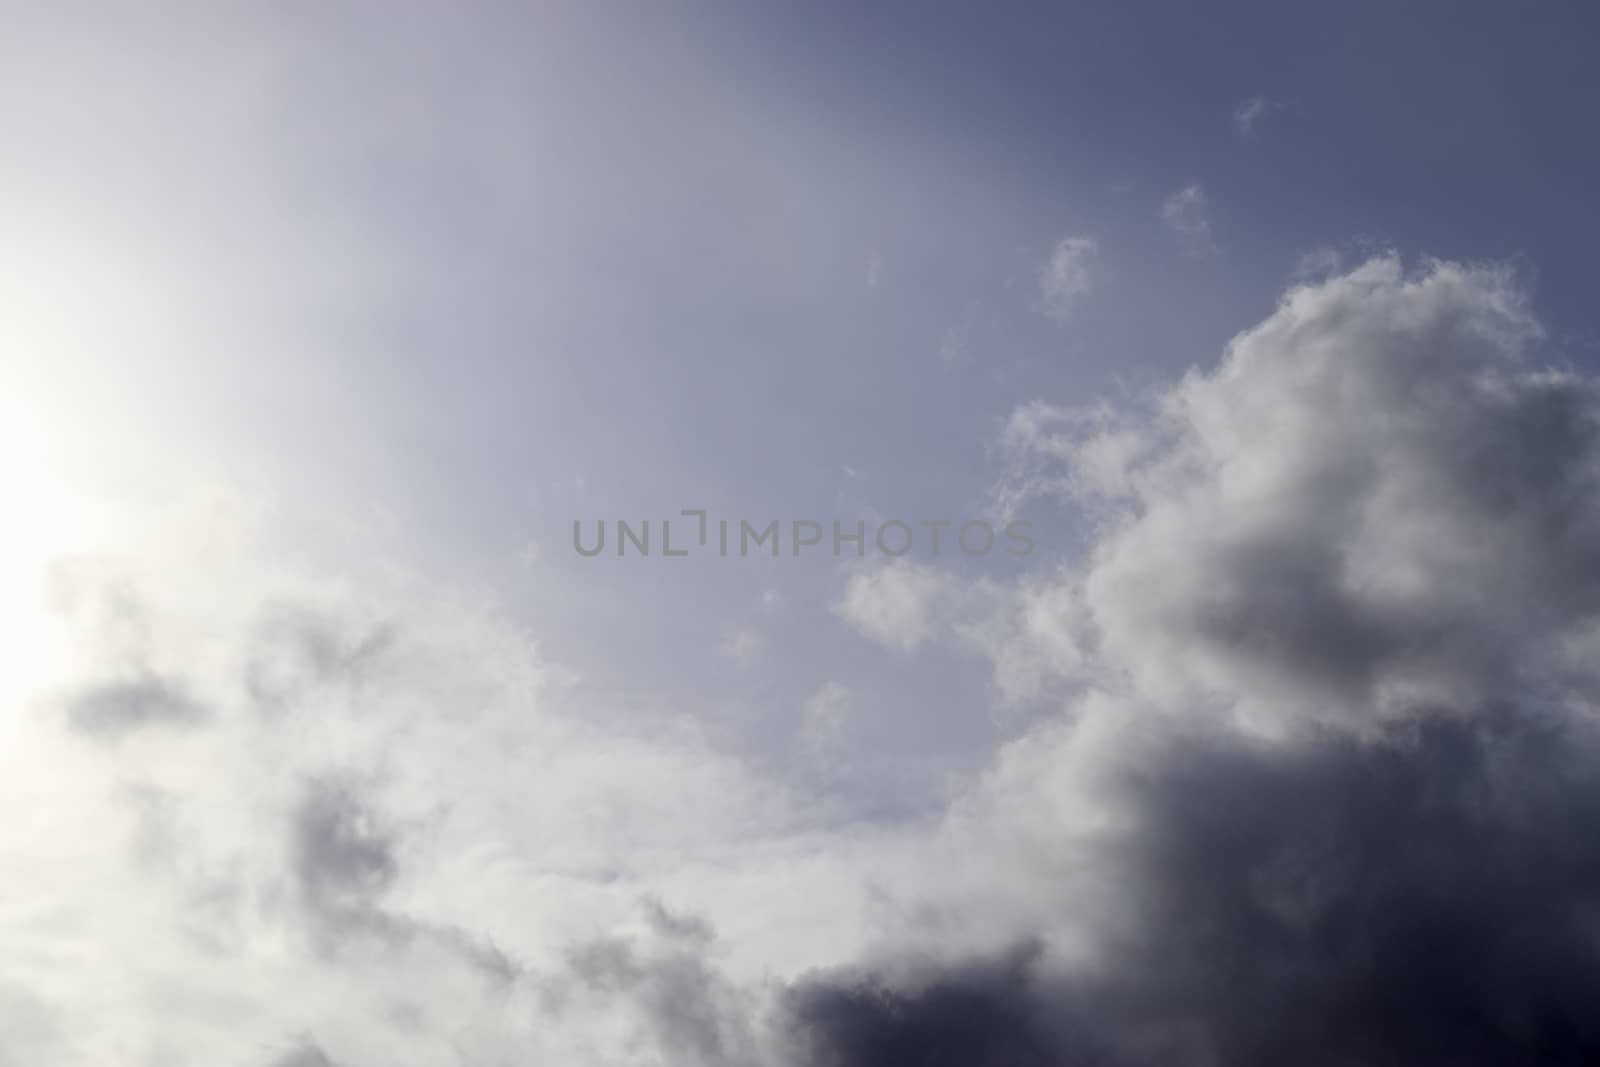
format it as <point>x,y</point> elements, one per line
<point>361,308</point>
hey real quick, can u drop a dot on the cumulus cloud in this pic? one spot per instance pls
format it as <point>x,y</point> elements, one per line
<point>1375,503</point>
<point>1068,276</point>
<point>1324,796</point>
<point>1187,213</point>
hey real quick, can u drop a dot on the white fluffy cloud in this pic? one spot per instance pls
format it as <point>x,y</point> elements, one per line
<point>1374,502</point>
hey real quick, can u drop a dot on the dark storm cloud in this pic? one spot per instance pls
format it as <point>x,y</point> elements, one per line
<point>1430,898</point>
<point>1427,898</point>
<point>985,1012</point>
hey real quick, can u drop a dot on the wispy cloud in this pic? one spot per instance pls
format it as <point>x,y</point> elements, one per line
<point>1251,114</point>
<point>1068,276</point>
<point>900,604</point>
<point>1187,213</point>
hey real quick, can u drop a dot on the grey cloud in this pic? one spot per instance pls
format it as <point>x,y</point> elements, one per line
<point>344,861</point>
<point>679,927</point>
<point>31,1031</point>
<point>1423,899</point>
<point>114,624</point>
<point>306,1054</point>
<point>984,1012</point>
<point>684,1008</point>
<point>113,709</point>
<point>343,857</point>
<point>295,648</point>
<point>493,963</point>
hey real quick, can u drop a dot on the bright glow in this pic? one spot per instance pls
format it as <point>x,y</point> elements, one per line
<point>43,522</point>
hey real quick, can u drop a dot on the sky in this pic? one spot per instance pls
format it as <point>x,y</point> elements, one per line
<point>327,336</point>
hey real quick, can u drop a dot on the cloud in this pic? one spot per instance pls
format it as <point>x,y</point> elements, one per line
<point>1317,265</point>
<point>1324,791</point>
<point>953,346</point>
<point>1068,276</point>
<point>295,649</point>
<point>1187,213</point>
<point>981,1012</point>
<point>1373,504</point>
<point>743,645</point>
<point>681,1008</point>
<point>113,709</point>
<point>387,834</point>
<point>1319,785</point>
<point>30,1033</point>
<point>900,604</point>
<point>825,728</point>
<point>306,1055</point>
<point>669,924</point>
<point>1032,630</point>
<point>1415,899</point>
<point>1251,113</point>
<point>1052,451</point>
<point>343,857</point>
